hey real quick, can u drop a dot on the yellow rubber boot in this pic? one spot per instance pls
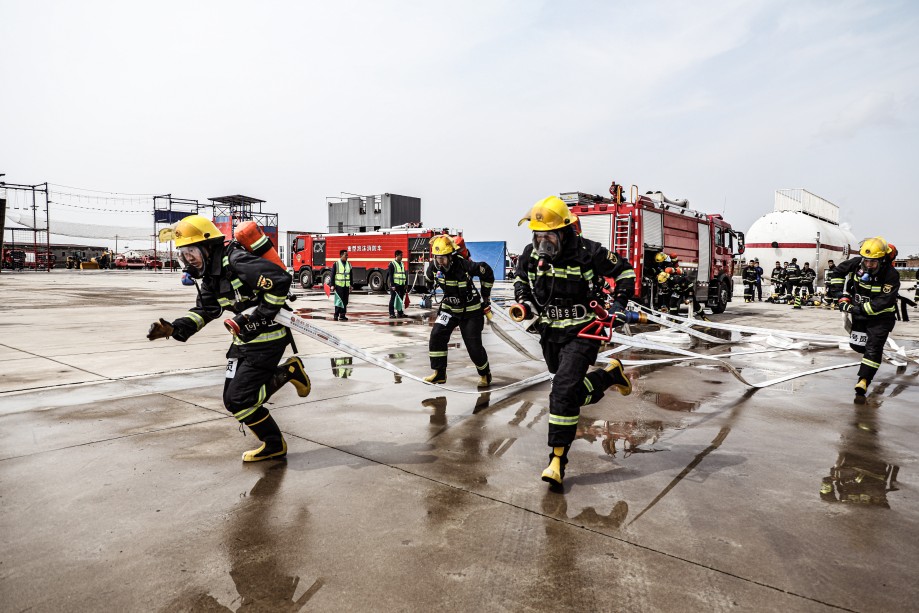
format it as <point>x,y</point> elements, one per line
<point>485,380</point>
<point>437,377</point>
<point>622,383</point>
<point>555,471</point>
<point>273,443</point>
<point>269,449</point>
<point>297,373</point>
<point>861,388</point>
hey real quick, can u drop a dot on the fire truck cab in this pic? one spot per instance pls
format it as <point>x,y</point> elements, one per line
<point>14,259</point>
<point>704,244</point>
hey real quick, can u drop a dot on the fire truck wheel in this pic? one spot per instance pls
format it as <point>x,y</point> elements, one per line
<point>375,281</point>
<point>724,295</point>
<point>327,278</point>
<point>306,278</point>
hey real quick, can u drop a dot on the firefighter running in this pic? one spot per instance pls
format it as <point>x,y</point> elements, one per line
<point>234,279</point>
<point>557,276</point>
<point>396,280</point>
<point>873,305</point>
<point>463,306</point>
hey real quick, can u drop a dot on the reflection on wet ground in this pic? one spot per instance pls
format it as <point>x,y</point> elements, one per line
<point>859,475</point>
<point>253,538</point>
<point>555,505</point>
<point>631,434</point>
<point>341,367</point>
<point>671,402</point>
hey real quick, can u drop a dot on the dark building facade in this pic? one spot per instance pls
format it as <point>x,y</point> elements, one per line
<point>369,213</point>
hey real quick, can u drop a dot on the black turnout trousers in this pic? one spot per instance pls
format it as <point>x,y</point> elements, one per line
<point>246,391</point>
<point>572,386</point>
<point>471,328</point>
<point>877,329</point>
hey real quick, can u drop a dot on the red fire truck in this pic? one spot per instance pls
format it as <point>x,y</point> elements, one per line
<point>369,253</point>
<point>14,259</point>
<point>136,262</point>
<point>704,244</point>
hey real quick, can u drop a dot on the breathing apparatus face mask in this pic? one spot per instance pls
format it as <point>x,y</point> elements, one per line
<point>193,258</point>
<point>871,265</point>
<point>442,262</point>
<point>547,245</point>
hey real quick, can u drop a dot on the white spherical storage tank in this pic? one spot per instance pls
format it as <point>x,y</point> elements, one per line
<point>783,235</point>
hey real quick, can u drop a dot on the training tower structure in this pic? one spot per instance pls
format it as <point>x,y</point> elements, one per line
<point>167,211</point>
<point>21,203</point>
<point>230,211</point>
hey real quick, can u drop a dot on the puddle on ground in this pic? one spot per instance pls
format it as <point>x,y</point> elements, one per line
<point>860,476</point>
<point>628,437</point>
<point>671,402</point>
<point>341,367</point>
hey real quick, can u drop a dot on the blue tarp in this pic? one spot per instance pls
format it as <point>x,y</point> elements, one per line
<point>492,252</point>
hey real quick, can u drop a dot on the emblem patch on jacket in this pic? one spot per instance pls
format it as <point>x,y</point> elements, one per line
<point>613,258</point>
<point>265,283</point>
<point>887,289</point>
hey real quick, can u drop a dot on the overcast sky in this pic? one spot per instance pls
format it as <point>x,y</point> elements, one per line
<point>478,108</point>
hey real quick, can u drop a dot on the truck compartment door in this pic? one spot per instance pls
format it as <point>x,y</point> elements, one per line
<point>654,229</point>
<point>705,254</point>
<point>597,228</point>
<point>319,259</point>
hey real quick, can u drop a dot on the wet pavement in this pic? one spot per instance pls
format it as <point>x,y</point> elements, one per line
<point>121,485</point>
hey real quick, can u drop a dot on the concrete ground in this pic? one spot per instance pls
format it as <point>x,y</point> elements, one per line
<point>122,489</point>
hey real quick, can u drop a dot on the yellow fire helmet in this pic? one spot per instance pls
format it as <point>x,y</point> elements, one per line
<point>549,214</point>
<point>662,277</point>
<point>874,248</point>
<point>442,245</point>
<point>661,257</point>
<point>190,230</point>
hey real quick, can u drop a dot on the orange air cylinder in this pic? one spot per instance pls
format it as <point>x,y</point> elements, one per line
<point>250,236</point>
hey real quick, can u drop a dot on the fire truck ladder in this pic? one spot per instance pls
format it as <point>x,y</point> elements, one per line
<point>622,235</point>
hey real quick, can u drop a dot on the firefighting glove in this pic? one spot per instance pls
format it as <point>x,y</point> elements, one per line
<point>247,328</point>
<point>159,329</point>
<point>486,309</point>
<point>846,306</point>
